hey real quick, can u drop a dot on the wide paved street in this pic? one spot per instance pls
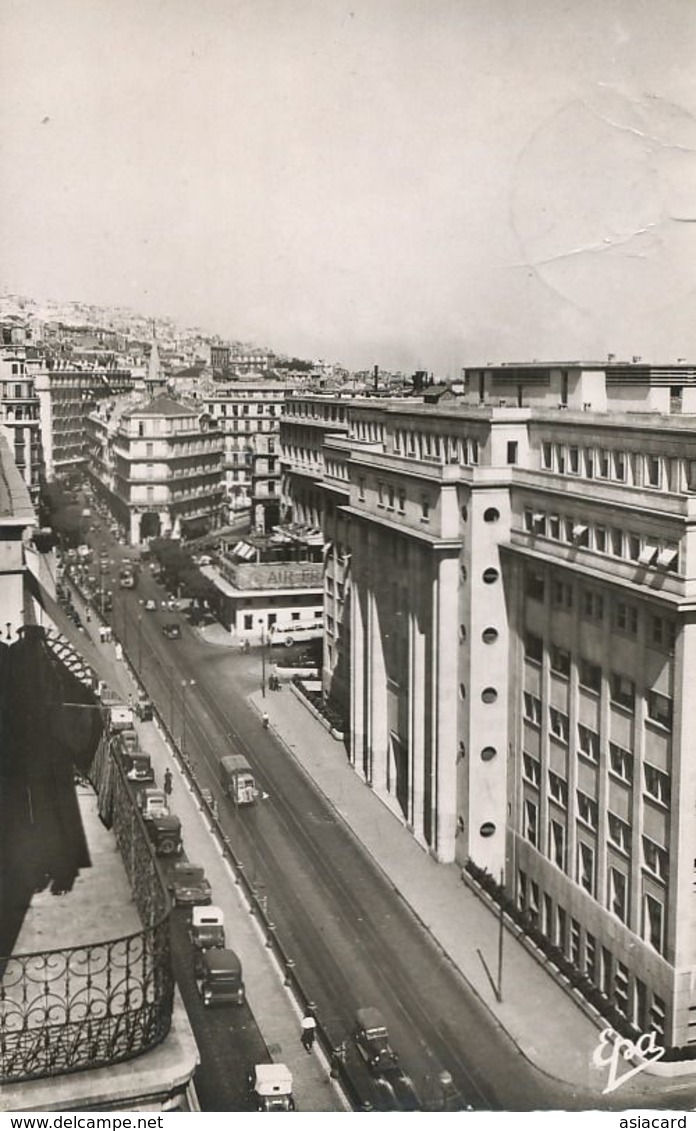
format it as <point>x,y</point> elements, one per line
<point>353,940</point>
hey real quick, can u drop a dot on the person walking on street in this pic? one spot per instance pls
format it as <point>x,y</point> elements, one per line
<point>265,720</point>
<point>309,1030</point>
<point>168,782</point>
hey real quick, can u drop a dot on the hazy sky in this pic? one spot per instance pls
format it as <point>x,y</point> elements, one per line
<point>419,183</point>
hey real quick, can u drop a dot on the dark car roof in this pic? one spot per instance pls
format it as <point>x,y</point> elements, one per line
<point>370,1018</point>
<point>167,823</point>
<point>184,871</point>
<point>219,960</point>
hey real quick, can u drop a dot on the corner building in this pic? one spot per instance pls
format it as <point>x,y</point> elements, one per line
<point>515,638</point>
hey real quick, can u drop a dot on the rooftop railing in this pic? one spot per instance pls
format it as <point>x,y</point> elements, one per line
<point>96,1004</point>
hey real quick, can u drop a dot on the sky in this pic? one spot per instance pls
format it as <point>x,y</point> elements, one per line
<point>410,183</point>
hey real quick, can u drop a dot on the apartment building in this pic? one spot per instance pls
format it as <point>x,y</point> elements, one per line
<point>19,415</point>
<point>157,462</point>
<point>249,415</point>
<point>510,612</point>
<point>68,392</point>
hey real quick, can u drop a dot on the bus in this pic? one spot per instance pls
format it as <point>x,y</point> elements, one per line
<point>297,631</point>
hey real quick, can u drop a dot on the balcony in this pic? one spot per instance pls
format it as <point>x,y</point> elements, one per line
<point>104,994</point>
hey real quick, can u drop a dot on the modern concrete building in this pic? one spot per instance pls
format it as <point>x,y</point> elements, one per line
<point>515,632</point>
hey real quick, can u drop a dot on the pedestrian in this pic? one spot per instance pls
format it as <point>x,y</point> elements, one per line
<point>168,782</point>
<point>102,634</point>
<point>119,651</point>
<point>265,720</point>
<point>309,1030</point>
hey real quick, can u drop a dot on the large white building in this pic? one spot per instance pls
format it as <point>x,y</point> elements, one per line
<point>510,611</point>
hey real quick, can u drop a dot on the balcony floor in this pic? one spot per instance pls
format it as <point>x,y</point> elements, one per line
<point>98,908</point>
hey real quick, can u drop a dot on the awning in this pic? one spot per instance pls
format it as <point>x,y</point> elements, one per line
<point>579,531</point>
<point>667,558</point>
<point>647,556</point>
<point>79,642</point>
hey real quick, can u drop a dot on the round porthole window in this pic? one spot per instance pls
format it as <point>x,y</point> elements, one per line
<point>491,514</point>
<point>490,575</point>
<point>489,695</point>
<point>487,828</point>
<point>488,753</point>
<point>489,635</point>
<point>462,633</point>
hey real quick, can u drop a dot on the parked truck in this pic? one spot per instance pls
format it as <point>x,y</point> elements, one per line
<point>120,714</point>
<point>238,779</point>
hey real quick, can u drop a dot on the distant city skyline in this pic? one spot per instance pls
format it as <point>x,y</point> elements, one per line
<point>410,183</point>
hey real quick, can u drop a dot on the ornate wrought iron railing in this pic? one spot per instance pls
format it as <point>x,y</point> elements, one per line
<point>94,1005</point>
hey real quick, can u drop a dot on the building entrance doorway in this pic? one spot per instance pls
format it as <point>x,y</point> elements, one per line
<point>150,526</point>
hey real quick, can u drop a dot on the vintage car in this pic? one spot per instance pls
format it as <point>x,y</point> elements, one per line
<point>372,1041</point>
<point>188,885</point>
<point>271,1087</point>
<point>218,976</point>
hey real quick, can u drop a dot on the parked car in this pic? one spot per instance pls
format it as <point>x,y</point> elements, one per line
<point>144,710</point>
<point>150,605</point>
<point>218,975</point>
<point>372,1041</point>
<point>165,835</point>
<point>172,631</point>
<point>270,1086</point>
<point>207,927</point>
<point>138,768</point>
<point>152,803</point>
<point>188,885</point>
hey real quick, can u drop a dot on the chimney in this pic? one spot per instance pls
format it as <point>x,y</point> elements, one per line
<point>376,376</point>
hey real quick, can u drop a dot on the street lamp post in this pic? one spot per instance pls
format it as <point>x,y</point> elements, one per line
<point>263,659</point>
<point>185,684</point>
<point>140,641</point>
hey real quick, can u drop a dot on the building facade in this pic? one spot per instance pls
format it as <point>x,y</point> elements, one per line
<point>19,416</point>
<point>158,464</point>
<point>67,394</point>
<point>248,414</point>
<point>514,634</point>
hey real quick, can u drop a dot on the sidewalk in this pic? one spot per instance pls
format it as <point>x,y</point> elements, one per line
<point>271,1004</point>
<point>547,1028</point>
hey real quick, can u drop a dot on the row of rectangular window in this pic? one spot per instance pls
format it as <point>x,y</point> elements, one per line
<point>447,449</point>
<point>662,631</point>
<point>655,857</point>
<point>591,463</point>
<point>393,496</point>
<point>617,890</point>
<point>622,693</point>
<point>613,540</point>
<point>656,785</point>
<point>646,1011</point>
